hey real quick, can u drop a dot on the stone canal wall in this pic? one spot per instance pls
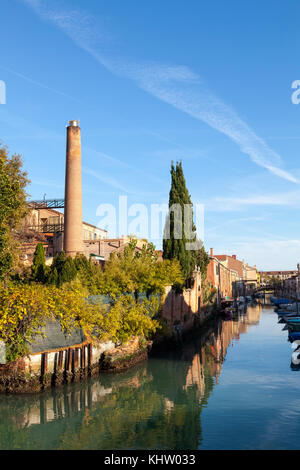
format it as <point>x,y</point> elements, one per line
<point>55,359</point>
<point>186,308</point>
<point>40,371</point>
<point>181,308</point>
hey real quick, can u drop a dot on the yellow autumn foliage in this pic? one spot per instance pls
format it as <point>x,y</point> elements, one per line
<point>25,309</point>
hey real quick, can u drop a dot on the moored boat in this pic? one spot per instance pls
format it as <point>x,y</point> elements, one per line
<point>280,301</point>
<point>293,320</point>
<point>294,336</point>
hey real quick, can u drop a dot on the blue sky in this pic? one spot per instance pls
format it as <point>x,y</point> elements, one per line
<point>208,83</point>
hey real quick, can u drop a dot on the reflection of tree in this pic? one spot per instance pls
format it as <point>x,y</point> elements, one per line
<point>157,405</point>
<point>140,421</point>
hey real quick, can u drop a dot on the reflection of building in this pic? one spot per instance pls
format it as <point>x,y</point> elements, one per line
<point>157,405</point>
<point>195,375</point>
<point>214,347</point>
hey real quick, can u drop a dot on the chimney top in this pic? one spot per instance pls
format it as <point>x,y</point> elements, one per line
<point>73,124</point>
<point>211,252</point>
<point>233,256</point>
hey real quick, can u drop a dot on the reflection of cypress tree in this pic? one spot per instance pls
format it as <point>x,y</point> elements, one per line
<point>146,408</point>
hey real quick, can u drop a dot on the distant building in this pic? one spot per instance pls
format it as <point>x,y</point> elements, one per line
<point>105,247</point>
<point>231,262</point>
<point>47,226</point>
<point>159,254</point>
<point>276,275</point>
<point>250,276</point>
<point>230,276</point>
<point>223,273</point>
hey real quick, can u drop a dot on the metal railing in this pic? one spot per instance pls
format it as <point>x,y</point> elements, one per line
<point>47,204</point>
<point>47,228</point>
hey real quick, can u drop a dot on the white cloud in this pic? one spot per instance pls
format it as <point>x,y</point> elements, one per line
<point>268,254</point>
<point>175,85</point>
<point>106,180</point>
<point>41,85</point>
<point>291,198</point>
<point>233,222</point>
<point>47,183</point>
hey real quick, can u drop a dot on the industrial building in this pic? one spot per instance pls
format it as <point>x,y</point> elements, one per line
<point>66,231</point>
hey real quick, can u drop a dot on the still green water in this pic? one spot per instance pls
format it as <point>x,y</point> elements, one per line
<point>230,388</point>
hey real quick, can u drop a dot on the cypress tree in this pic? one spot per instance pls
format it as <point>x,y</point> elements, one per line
<point>175,238</point>
<point>38,268</point>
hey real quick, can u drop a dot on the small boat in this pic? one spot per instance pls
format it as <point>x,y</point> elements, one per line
<point>289,307</point>
<point>228,313</point>
<point>290,316</point>
<point>293,321</point>
<point>293,328</point>
<point>294,336</point>
<point>284,313</point>
<point>282,301</point>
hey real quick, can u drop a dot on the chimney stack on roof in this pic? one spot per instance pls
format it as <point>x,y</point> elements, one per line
<point>73,243</point>
<point>211,252</point>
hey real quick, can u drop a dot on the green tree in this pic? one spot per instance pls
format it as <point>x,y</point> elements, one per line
<point>175,238</point>
<point>13,208</point>
<point>202,260</point>
<point>89,274</point>
<point>62,270</point>
<point>69,270</point>
<point>38,268</point>
<point>139,271</point>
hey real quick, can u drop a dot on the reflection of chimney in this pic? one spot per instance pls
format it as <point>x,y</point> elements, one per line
<point>73,195</point>
<point>211,252</point>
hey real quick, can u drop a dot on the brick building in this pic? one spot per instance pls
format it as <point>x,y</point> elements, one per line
<point>223,272</point>
<point>276,275</point>
<point>230,276</point>
<point>47,226</point>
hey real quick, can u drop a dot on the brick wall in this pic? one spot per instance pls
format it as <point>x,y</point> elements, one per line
<point>183,307</point>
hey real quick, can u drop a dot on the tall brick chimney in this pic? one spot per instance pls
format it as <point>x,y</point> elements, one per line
<point>73,243</point>
<point>212,252</point>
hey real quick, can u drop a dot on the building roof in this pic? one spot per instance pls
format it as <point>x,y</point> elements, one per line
<point>250,267</point>
<point>94,226</point>
<point>221,257</point>
<point>277,273</point>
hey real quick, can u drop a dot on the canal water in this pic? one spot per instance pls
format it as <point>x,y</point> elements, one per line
<point>232,387</point>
